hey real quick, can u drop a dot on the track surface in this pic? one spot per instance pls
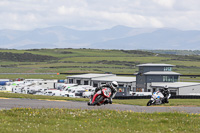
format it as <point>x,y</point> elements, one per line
<point>34,103</point>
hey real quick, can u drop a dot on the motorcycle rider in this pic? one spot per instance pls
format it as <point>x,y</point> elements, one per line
<point>166,94</point>
<point>113,86</point>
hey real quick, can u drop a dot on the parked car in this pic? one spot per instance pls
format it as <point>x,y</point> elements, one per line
<point>88,93</point>
<point>76,93</point>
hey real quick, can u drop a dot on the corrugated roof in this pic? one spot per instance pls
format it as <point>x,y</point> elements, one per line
<point>151,64</point>
<point>90,75</point>
<point>116,78</point>
<point>173,84</point>
<point>161,73</point>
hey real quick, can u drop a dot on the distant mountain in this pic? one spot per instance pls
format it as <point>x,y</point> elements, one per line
<point>158,39</point>
<point>118,37</point>
<point>175,52</point>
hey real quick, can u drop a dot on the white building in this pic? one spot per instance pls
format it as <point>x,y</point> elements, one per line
<point>85,79</point>
<point>125,83</point>
<point>178,88</point>
<point>122,81</point>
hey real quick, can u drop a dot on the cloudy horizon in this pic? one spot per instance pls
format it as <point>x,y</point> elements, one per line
<point>99,14</point>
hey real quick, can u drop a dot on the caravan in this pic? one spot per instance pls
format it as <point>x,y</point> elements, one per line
<point>52,92</point>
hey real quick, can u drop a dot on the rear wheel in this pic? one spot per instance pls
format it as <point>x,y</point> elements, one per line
<point>149,103</point>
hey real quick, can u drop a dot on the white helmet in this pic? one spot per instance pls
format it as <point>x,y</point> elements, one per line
<point>166,87</point>
<point>114,84</point>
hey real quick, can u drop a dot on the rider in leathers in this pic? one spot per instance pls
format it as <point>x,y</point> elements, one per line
<point>112,86</point>
<point>166,94</point>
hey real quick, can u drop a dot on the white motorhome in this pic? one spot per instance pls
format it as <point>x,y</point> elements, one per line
<point>70,91</point>
<point>52,92</point>
<point>48,84</point>
<point>6,88</point>
<point>65,89</point>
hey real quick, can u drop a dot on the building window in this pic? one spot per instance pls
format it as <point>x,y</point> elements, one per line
<point>103,83</point>
<point>138,89</point>
<point>121,85</point>
<point>95,85</point>
<point>78,82</point>
<point>169,79</point>
<point>120,89</point>
<point>71,81</point>
<point>167,68</point>
<point>86,82</point>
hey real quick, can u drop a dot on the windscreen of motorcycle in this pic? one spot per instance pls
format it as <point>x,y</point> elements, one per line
<point>107,92</point>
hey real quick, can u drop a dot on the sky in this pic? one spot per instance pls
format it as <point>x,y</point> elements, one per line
<point>99,14</point>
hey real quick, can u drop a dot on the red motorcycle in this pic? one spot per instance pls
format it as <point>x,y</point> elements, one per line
<point>101,97</point>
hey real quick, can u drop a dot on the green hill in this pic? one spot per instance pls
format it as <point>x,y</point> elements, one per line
<point>90,61</point>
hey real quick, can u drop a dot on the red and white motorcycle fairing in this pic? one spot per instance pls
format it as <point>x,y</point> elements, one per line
<point>100,97</point>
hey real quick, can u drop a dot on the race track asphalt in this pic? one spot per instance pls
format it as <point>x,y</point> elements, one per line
<point>34,103</point>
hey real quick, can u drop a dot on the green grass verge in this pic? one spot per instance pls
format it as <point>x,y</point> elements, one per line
<point>33,76</point>
<point>99,121</point>
<point>16,95</point>
<point>172,102</point>
<point>140,102</point>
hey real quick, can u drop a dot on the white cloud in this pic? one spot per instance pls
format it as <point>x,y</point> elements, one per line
<point>156,23</point>
<point>99,14</point>
<point>165,3</point>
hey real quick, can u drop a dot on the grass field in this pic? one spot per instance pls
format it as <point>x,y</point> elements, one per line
<point>34,76</point>
<point>91,61</point>
<point>99,121</point>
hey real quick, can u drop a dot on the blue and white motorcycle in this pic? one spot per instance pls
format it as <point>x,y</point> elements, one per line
<point>157,98</point>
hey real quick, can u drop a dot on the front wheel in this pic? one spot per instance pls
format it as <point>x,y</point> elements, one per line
<point>98,100</point>
<point>149,103</point>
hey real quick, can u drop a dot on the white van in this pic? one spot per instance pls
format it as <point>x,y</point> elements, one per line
<point>52,92</point>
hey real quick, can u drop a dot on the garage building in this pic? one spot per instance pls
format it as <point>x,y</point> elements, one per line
<point>126,84</point>
<point>178,88</point>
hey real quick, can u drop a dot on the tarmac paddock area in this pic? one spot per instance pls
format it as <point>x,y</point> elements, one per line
<point>35,103</point>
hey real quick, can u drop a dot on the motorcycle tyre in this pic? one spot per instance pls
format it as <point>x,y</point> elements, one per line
<point>110,102</point>
<point>149,103</point>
